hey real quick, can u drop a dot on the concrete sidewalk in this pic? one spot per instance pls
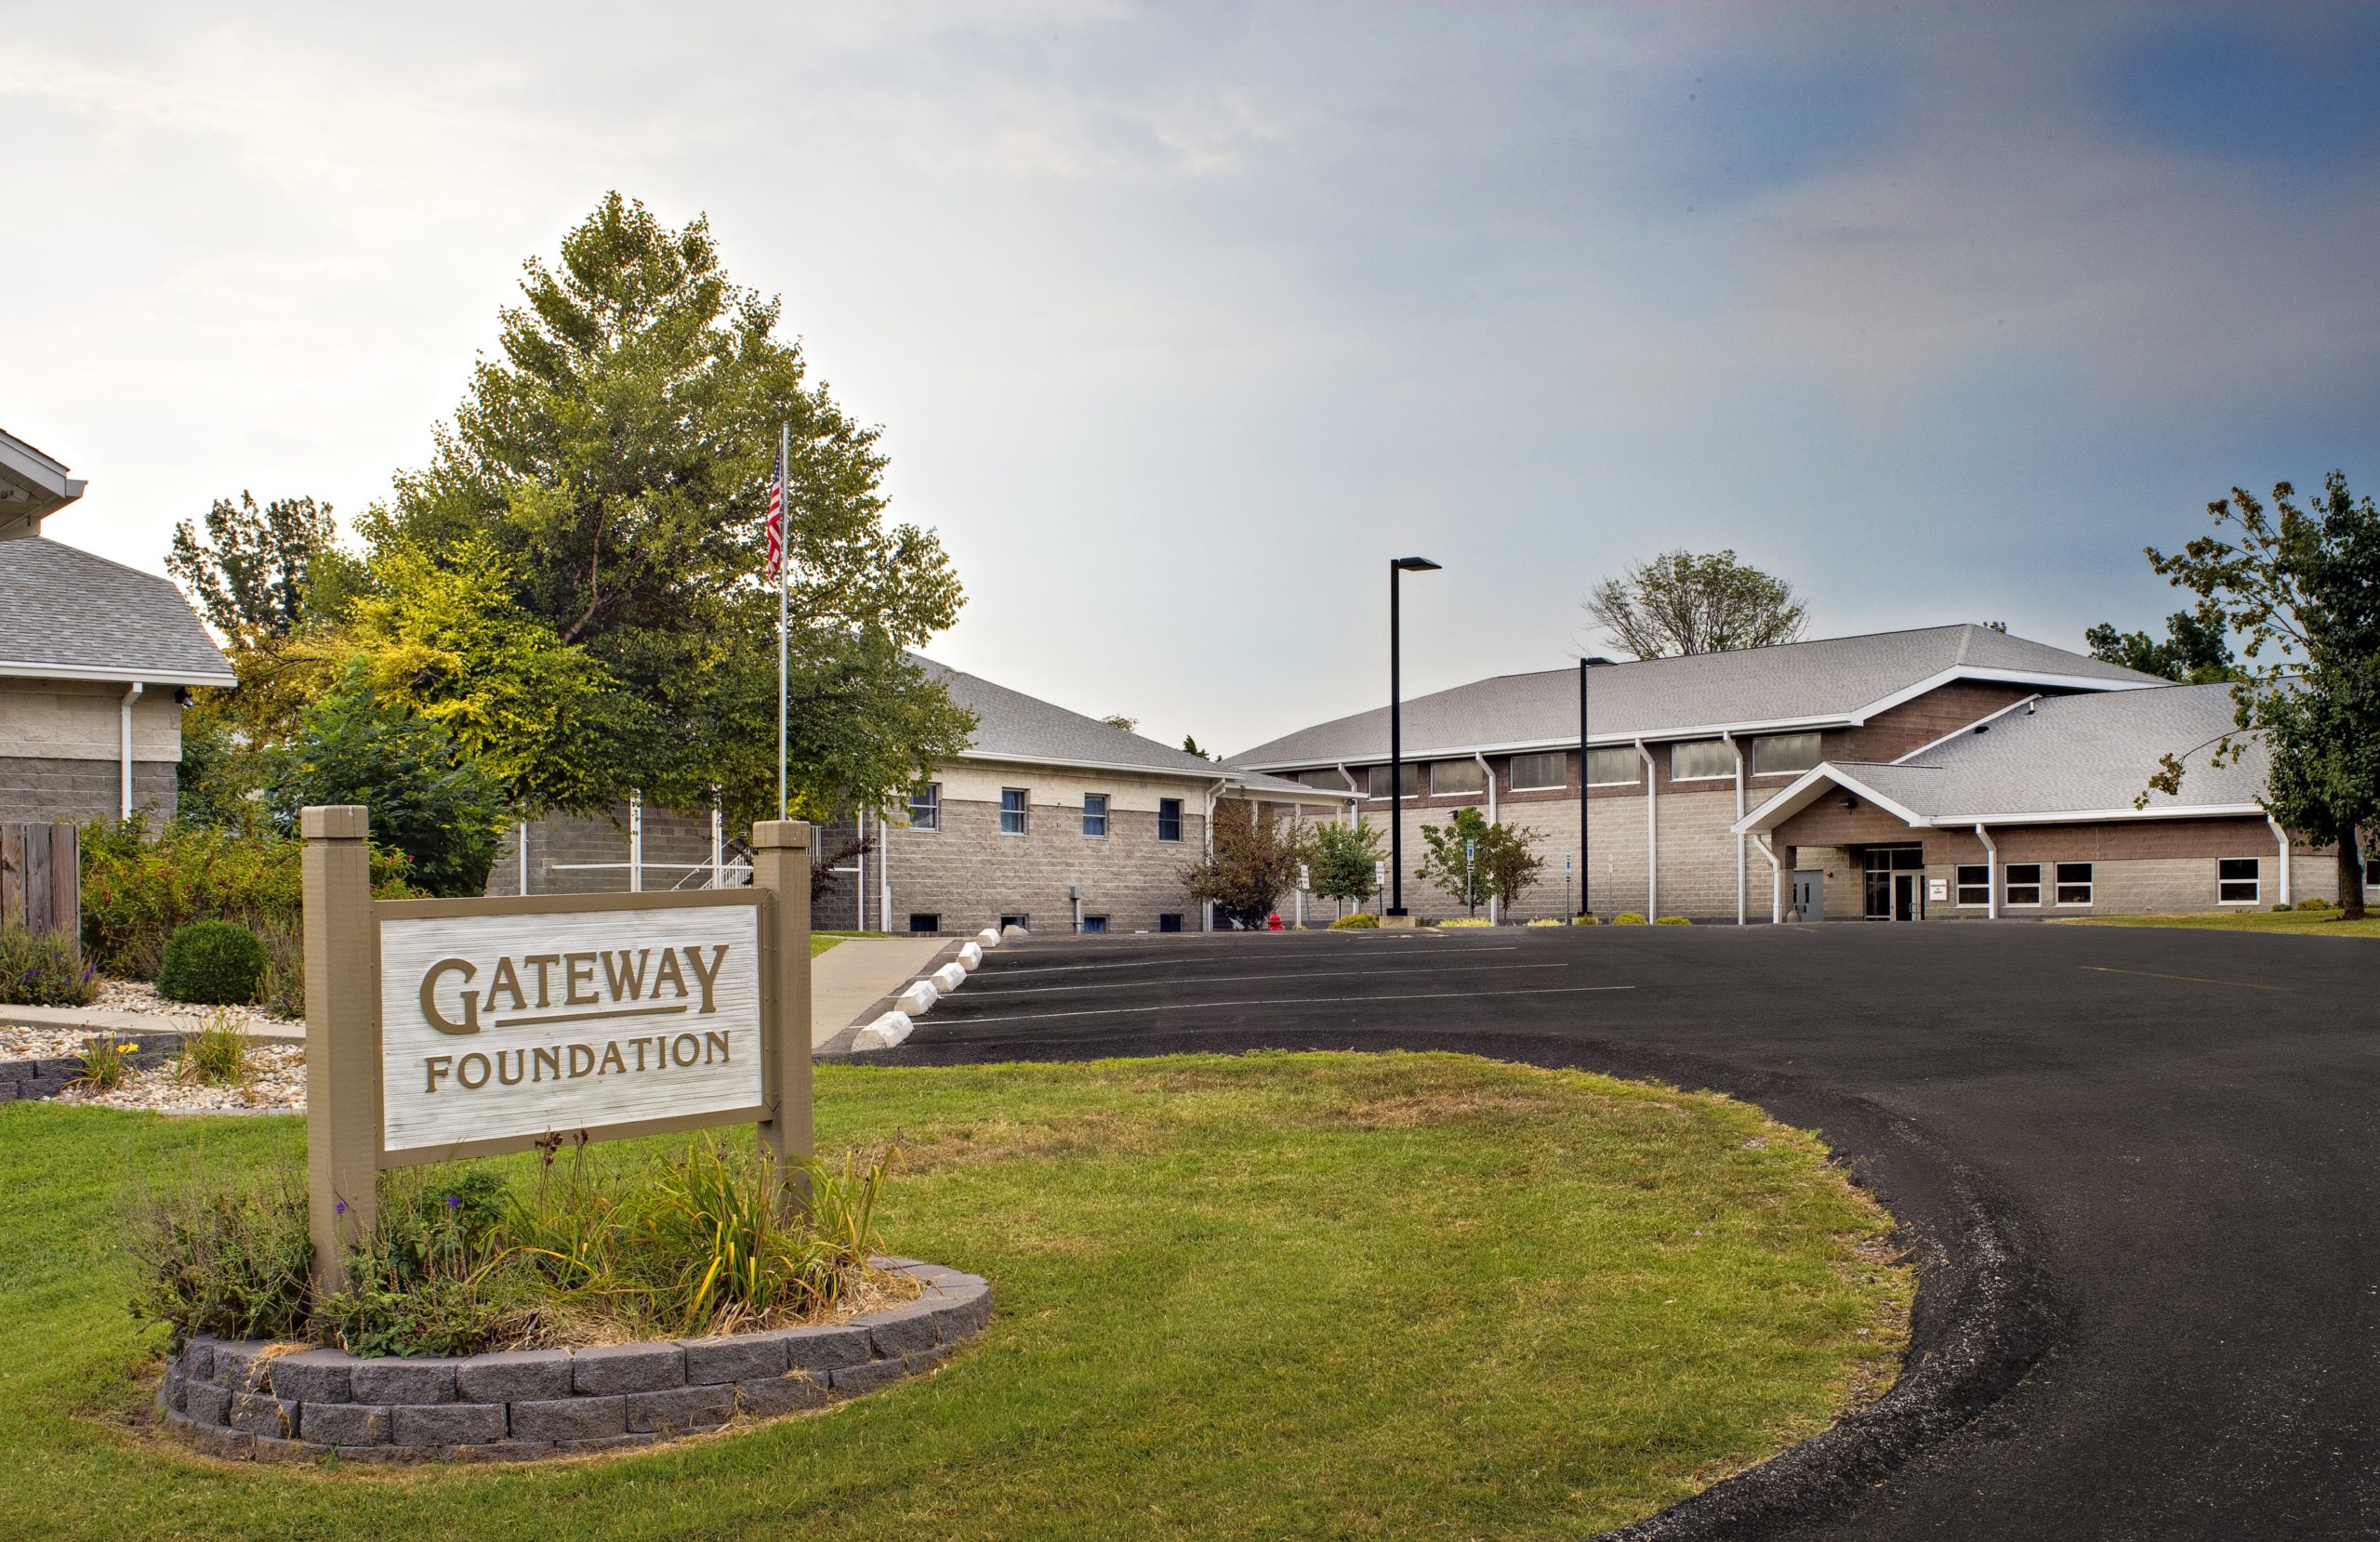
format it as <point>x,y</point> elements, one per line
<point>849,981</point>
<point>99,1021</point>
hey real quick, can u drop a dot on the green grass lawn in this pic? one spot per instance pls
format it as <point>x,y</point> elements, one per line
<point>821,941</point>
<point>1271,1296</point>
<point>2311,923</point>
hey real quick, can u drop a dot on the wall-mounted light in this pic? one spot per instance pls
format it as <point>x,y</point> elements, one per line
<point>1849,801</point>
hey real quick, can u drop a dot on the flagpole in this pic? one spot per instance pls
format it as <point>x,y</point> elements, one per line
<point>785,561</point>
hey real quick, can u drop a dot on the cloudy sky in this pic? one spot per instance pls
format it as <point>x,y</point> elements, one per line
<point>1181,319</point>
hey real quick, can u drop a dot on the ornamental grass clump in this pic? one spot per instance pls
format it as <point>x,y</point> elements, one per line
<point>41,969</point>
<point>228,1260</point>
<point>215,1055</point>
<point>1362,920</point>
<point>211,963</point>
<point>106,1063</point>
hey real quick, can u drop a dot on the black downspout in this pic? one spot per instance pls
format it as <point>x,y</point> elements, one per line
<point>1396,756</point>
<point>1584,908</point>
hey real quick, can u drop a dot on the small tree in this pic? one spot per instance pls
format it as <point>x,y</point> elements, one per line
<point>1511,861</point>
<point>1118,721</point>
<point>426,799</point>
<point>2196,650</point>
<point>1680,602</point>
<point>1254,861</point>
<point>2304,582</point>
<point>1345,861</point>
<point>1190,746</point>
<point>1453,862</point>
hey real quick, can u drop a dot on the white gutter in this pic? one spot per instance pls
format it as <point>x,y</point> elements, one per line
<point>1652,838</point>
<point>1490,777</point>
<point>16,669</point>
<point>1990,874</point>
<point>2282,836</point>
<point>1736,745</point>
<point>1775,880</point>
<point>132,694</point>
<point>1127,767</point>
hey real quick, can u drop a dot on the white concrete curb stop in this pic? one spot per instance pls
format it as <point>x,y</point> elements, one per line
<point>884,1033</point>
<point>948,978</point>
<point>971,956</point>
<point>989,937</point>
<point>918,999</point>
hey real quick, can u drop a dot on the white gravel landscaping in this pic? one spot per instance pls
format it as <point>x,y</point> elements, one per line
<point>276,1081</point>
<point>138,995</point>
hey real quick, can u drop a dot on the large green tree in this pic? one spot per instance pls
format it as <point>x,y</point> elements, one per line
<point>2300,584</point>
<point>1345,864</point>
<point>2195,650</point>
<point>1682,602</point>
<point>252,569</point>
<point>612,465</point>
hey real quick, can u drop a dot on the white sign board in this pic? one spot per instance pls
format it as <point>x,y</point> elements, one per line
<point>496,1026</point>
<point>1937,889</point>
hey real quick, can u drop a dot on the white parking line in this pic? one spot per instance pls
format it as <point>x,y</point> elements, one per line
<point>1284,1001</point>
<point>1271,974</point>
<point>1153,963</point>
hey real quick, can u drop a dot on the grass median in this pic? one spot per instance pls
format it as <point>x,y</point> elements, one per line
<point>2295,923</point>
<point>1274,1295</point>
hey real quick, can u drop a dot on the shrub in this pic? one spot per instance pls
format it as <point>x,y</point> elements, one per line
<point>1627,918</point>
<point>2283,905</point>
<point>1673,921</point>
<point>1586,918</point>
<point>106,1063</point>
<point>1362,920</point>
<point>136,891</point>
<point>226,1262</point>
<point>214,963</point>
<point>217,1054</point>
<point>2314,901</point>
<point>43,969</point>
<point>1547,921</point>
<point>1465,921</point>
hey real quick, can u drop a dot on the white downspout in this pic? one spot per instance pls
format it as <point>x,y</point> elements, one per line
<point>525,858</point>
<point>2281,836</point>
<point>1355,803</point>
<point>1732,743</point>
<point>718,851</point>
<point>1990,874</point>
<point>1776,881</point>
<point>1652,839</point>
<point>1207,835</point>
<point>131,694</point>
<point>1490,777</point>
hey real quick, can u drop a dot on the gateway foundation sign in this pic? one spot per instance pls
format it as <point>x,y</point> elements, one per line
<point>438,1029</point>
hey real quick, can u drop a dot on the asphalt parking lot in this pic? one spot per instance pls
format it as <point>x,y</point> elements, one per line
<point>2165,1138</point>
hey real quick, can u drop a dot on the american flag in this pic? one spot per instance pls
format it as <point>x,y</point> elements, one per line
<point>775,527</point>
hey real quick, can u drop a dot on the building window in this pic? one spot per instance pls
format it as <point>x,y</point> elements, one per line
<point>1094,923</point>
<point>1408,785</point>
<point>1456,778</point>
<point>1094,813</point>
<point>1537,772</point>
<point>1329,779</point>
<point>1784,754</point>
<point>1012,811</point>
<point>1169,921</point>
<point>1975,884</point>
<point>924,924</point>
<point>1022,922</point>
<point>1169,819</point>
<point>1613,767</point>
<point>1701,760</point>
<point>2024,883</point>
<point>2074,883</point>
<point>925,806</point>
<point>2237,881</point>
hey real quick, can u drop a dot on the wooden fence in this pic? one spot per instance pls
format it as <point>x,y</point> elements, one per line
<point>41,878</point>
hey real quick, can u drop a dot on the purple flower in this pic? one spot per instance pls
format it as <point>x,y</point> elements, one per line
<point>454,1202</point>
<point>341,1207</point>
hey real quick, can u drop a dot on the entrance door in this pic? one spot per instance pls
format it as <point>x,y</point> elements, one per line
<point>1909,896</point>
<point>1809,892</point>
<point>1894,877</point>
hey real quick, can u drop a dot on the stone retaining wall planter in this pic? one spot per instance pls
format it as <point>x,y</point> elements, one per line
<point>47,1078</point>
<point>254,1400</point>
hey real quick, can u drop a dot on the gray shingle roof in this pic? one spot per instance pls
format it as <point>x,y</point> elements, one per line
<point>1829,680</point>
<point>2078,755</point>
<point>1012,723</point>
<point>62,609</point>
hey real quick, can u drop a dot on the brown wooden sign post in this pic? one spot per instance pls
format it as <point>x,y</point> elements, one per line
<point>442,1029</point>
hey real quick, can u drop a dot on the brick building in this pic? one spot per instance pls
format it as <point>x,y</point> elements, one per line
<point>1693,761</point>
<point>1049,819</point>
<point>96,660</point>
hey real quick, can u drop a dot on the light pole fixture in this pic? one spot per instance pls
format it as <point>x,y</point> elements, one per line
<point>1397,568</point>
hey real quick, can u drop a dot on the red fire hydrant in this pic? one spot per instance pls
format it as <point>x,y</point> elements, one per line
<point>1272,922</point>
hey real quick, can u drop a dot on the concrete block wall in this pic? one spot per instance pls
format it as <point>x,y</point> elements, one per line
<point>61,750</point>
<point>677,853</point>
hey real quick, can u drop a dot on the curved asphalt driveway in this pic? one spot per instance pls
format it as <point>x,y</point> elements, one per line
<point>2179,1129</point>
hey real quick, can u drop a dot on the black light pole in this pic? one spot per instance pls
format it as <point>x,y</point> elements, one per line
<point>1397,568</point>
<point>1584,665</point>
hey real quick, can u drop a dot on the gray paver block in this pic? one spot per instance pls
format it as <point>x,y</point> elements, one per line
<point>903,1329</point>
<point>198,1359</point>
<point>263,1413</point>
<point>603,1442</point>
<point>449,1424</point>
<point>740,1358</point>
<point>851,1380</point>
<point>169,1391</point>
<point>42,1086</point>
<point>240,1363</point>
<point>313,1376</point>
<point>681,1409</point>
<point>398,1381</point>
<point>232,1445</point>
<point>821,1350</point>
<point>570,1418</point>
<point>925,1360</point>
<point>343,1424</point>
<point>266,1448</point>
<point>68,1066</point>
<point>380,1455</point>
<point>628,1368</point>
<point>206,1404</point>
<point>513,1376</point>
<point>770,1396</point>
<point>498,1451</point>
